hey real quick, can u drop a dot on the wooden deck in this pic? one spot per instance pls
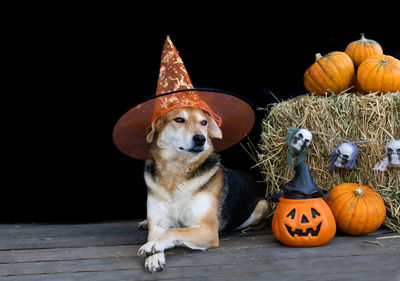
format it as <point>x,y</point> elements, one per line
<point>107,251</point>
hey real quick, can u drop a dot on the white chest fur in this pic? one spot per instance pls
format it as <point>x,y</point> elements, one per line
<point>178,210</point>
<point>185,206</point>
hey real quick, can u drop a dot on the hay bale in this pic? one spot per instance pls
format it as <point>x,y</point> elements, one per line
<point>369,120</point>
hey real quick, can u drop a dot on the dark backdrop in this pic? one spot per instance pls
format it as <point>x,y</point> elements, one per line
<point>75,87</point>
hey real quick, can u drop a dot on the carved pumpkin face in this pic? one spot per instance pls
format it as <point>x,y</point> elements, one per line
<point>303,222</point>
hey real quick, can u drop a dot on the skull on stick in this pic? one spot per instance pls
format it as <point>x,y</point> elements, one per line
<point>393,153</point>
<point>297,139</point>
<point>344,156</point>
<point>301,140</point>
<point>392,158</point>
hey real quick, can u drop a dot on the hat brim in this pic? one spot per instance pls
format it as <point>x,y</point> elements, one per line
<point>237,115</point>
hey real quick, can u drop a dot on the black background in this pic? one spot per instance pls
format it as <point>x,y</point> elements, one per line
<point>71,85</point>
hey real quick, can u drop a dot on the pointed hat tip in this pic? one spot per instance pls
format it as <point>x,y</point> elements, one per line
<point>301,183</point>
<point>168,45</point>
<point>168,40</point>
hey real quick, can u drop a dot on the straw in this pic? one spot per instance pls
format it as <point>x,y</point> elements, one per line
<point>369,121</point>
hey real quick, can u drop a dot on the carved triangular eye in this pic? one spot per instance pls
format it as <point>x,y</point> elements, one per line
<point>291,214</point>
<point>304,219</point>
<point>314,213</point>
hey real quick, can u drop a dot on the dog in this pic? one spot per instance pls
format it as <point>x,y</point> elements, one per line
<point>191,196</point>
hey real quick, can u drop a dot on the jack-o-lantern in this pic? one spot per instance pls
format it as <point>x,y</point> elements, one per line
<point>302,218</point>
<point>303,222</point>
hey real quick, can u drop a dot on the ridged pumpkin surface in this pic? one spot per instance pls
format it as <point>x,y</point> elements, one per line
<point>379,73</point>
<point>303,222</point>
<point>333,72</point>
<point>361,49</point>
<point>358,209</point>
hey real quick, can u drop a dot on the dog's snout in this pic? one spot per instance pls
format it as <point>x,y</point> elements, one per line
<point>199,140</point>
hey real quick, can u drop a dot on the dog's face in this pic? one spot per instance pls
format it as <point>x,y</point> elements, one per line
<point>183,133</point>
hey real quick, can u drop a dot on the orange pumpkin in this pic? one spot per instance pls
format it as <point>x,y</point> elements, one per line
<point>303,222</point>
<point>333,72</point>
<point>379,73</point>
<point>358,209</point>
<point>361,49</point>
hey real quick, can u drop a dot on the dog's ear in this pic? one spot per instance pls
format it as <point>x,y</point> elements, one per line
<point>151,134</point>
<point>213,130</point>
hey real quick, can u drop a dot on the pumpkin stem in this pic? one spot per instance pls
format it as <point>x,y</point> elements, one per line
<point>362,37</point>
<point>317,56</point>
<point>359,192</point>
<point>384,61</point>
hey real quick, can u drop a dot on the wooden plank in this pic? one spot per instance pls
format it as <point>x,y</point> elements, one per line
<point>41,236</point>
<point>263,268</point>
<point>45,236</point>
<point>327,268</point>
<point>245,259</point>
<point>129,275</point>
<point>23,256</point>
<point>12,256</point>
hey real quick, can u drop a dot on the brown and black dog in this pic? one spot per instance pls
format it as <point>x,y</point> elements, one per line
<point>191,196</point>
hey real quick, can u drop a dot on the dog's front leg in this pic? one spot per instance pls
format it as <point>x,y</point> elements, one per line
<point>199,237</point>
<point>156,261</point>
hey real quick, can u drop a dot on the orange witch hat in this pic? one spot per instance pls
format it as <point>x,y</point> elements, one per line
<point>173,77</point>
<point>232,113</point>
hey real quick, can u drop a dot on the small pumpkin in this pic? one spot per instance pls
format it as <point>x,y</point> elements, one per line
<point>361,49</point>
<point>358,209</point>
<point>379,73</point>
<point>333,72</point>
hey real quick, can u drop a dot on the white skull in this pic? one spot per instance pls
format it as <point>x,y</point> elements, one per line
<point>301,140</point>
<point>393,152</point>
<point>345,153</point>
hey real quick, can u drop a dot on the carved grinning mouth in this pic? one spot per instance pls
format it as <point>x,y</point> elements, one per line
<point>300,232</point>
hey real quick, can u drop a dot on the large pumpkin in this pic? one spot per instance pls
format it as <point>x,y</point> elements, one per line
<point>358,209</point>
<point>333,72</point>
<point>379,73</point>
<point>361,49</point>
<point>303,222</point>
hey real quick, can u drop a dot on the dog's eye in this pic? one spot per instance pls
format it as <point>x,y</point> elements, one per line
<point>179,120</point>
<point>203,122</point>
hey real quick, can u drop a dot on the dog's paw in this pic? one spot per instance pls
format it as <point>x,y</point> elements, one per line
<point>143,225</point>
<point>150,248</point>
<point>155,262</point>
